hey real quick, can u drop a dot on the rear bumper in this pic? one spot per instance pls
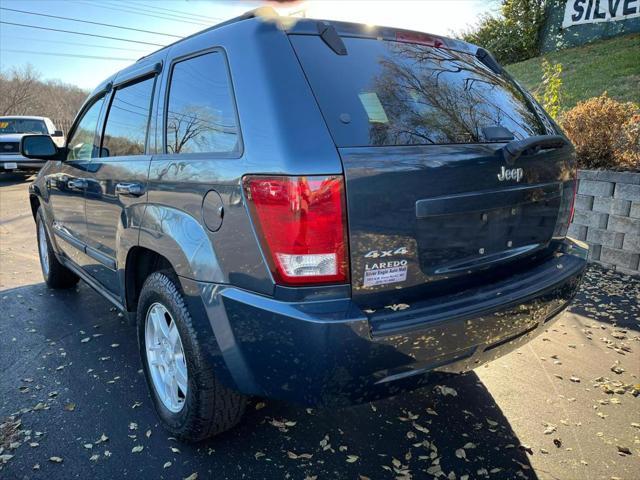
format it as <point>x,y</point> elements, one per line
<point>331,352</point>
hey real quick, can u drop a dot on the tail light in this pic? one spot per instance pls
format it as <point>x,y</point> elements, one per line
<point>573,201</point>
<point>301,224</point>
<point>575,192</point>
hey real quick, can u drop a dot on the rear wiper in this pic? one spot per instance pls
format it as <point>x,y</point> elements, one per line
<point>512,150</point>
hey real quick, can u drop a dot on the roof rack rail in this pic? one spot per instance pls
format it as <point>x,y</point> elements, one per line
<point>265,11</point>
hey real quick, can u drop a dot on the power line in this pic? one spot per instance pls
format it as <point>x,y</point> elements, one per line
<point>122,9</point>
<point>55,54</point>
<point>179,11</point>
<point>81,33</point>
<point>62,42</point>
<point>153,10</point>
<point>88,21</point>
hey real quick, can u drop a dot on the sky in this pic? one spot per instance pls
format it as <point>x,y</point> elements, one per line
<point>85,60</point>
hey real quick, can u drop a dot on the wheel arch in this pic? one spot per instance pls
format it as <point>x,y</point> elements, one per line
<point>182,240</point>
<point>140,263</point>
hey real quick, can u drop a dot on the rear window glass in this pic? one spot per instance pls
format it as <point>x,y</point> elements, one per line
<point>201,117</point>
<point>395,93</point>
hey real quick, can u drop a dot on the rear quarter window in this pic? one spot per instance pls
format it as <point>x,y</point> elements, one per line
<point>201,116</point>
<point>396,93</point>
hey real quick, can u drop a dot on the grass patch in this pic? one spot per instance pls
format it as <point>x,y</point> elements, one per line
<point>609,65</point>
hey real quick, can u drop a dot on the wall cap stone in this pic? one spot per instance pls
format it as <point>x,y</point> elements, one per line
<point>610,176</point>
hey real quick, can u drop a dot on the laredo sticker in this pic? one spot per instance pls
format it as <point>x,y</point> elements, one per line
<point>383,273</point>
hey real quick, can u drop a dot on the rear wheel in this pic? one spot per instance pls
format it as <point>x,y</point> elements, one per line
<point>55,274</point>
<point>190,401</point>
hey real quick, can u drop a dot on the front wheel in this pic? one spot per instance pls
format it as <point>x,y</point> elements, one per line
<point>55,274</point>
<point>190,401</point>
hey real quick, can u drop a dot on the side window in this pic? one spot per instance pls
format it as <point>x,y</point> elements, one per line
<point>201,115</point>
<point>125,131</point>
<point>80,144</point>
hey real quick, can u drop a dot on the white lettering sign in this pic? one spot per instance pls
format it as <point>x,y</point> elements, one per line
<point>578,12</point>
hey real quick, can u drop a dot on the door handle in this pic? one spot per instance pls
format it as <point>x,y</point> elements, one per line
<point>79,183</point>
<point>130,189</point>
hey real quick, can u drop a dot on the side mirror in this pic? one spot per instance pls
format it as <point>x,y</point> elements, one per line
<point>38,147</point>
<point>57,133</point>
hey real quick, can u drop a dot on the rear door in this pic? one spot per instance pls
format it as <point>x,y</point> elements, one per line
<point>116,189</point>
<point>433,206</point>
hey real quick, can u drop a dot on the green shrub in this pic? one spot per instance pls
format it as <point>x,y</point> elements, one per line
<point>549,91</point>
<point>513,35</point>
<point>605,132</point>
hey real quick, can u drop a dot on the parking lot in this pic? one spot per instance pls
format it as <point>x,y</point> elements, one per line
<point>74,403</point>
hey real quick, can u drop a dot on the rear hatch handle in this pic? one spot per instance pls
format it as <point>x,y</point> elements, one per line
<point>512,150</point>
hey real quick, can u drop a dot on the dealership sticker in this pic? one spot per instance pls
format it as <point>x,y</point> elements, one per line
<point>383,273</point>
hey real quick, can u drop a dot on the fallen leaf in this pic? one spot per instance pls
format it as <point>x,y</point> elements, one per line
<point>460,453</point>
<point>137,449</point>
<point>166,465</point>
<point>294,456</point>
<point>622,450</point>
<point>70,407</point>
<point>55,459</point>
<point>352,458</point>
<point>444,390</point>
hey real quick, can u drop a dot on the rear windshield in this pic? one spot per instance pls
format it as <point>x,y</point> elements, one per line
<point>395,93</point>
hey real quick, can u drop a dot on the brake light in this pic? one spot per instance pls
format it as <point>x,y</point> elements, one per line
<point>421,38</point>
<point>301,223</point>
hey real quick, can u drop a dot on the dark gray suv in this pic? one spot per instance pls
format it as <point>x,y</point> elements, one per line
<point>321,212</point>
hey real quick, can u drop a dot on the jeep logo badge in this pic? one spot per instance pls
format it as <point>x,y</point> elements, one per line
<point>510,174</point>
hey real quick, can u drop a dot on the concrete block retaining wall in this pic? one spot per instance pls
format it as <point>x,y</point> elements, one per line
<point>607,217</point>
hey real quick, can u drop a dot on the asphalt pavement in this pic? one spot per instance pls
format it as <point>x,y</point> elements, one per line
<point>74,403</point>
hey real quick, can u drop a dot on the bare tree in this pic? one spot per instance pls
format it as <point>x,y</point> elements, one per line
<point>195,127</point>
<point>23,93</point>
<point>17,90</point>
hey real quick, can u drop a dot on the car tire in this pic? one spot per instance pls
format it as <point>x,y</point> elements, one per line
<point>207,408</point>
<point>55,274</point>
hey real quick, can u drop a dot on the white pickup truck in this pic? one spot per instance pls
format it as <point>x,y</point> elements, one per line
<point>12,129</point>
